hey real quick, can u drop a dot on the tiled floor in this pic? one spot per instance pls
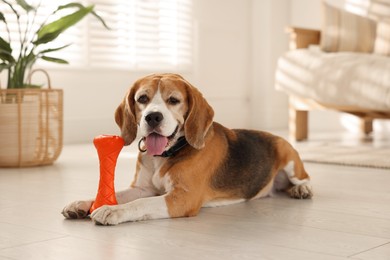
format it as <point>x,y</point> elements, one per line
<point>349,218</point>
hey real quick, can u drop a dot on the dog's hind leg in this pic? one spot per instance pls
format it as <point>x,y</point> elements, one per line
<point>301,188</point>
<point>292,166</point>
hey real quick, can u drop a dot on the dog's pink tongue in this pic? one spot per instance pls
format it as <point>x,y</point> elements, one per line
<point>155,144</point>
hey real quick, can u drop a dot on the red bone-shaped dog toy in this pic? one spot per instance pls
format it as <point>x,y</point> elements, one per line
<point>108,148</point>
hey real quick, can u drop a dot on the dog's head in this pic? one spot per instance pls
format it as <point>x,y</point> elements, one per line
<point>163,107</point>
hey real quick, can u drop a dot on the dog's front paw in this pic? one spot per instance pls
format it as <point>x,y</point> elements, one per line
<point>106,215</point>
<point>77,209</point>
<point>303,191</point>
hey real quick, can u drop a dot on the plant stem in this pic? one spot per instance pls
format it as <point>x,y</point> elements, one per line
<point>27,49</point>
<point>24,43</point>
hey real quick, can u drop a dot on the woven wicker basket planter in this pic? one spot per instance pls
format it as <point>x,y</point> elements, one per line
<point>31,126</point>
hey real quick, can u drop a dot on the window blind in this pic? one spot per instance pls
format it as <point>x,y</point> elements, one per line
<point>359,7</point>
<point>145,34</point>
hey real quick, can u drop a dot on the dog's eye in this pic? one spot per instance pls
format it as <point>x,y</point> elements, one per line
<point>143,99</point>
<point>173,101</point>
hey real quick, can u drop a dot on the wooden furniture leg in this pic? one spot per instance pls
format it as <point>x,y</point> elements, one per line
<point>298,124</point>
<point>366,125</point>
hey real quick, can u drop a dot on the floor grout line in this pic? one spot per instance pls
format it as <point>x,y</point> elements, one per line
<point>32,243</point>
<point>375,247</point>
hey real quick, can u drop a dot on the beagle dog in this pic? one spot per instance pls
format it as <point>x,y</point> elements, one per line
<point>187,161</point>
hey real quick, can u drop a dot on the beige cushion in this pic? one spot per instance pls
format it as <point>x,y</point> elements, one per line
<point>382,41</point>
<point>344,31</point>
<point>340,79</point>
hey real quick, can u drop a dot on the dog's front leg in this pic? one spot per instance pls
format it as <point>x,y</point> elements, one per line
<point>141,209</point>
<point>177,203</point>
<point>77,209</point>
<point>134,193</point>
<point>80,209</point>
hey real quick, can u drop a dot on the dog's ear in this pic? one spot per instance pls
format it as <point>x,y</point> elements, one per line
<point>199,117</point>
<point>125,117</point>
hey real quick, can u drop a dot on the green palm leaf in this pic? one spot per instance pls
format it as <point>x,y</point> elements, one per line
<point>74,4</point>
<point>5,46</point>
<point>6,57</point>
<point>55,60</point>
<point>6,51</point>
<point>55,49</point>
<point>52,30</point>
<point>2,17</point>
<point>25,5</point>
<point>4,66</point>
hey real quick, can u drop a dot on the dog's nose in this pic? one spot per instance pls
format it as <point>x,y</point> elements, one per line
<point>154,119</point>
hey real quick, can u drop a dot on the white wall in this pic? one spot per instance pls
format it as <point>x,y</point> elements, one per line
<point>306,13</point>
<point>221,58</point>
<point>269,18</point>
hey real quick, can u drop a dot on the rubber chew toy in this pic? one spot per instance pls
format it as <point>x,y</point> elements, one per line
<point>108,148</point>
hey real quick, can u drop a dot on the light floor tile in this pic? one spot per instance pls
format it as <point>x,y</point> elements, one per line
<point>13,235</point>
<point>75,249</point>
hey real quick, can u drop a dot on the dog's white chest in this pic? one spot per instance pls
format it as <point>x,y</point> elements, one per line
<point>162,184</point>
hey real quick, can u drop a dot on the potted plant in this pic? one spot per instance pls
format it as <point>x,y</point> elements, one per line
<point>31,117</point>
